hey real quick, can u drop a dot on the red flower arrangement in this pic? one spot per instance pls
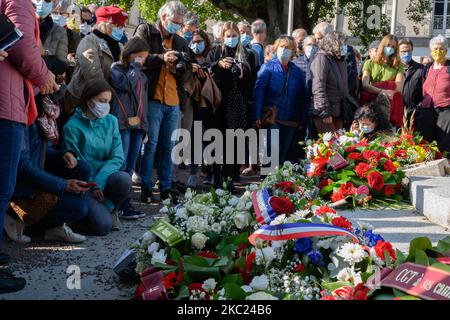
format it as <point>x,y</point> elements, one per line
<point>324,210</point>
<point>381,247</point>
<point>389,190</point>
<point>362,169</point>
<point>207,255</point>
<point>342,222</point>
<point>281,205</point>
<point>285,186</point>
<point>172,279</point>
<point>376,181</point>
<point>389,166</point>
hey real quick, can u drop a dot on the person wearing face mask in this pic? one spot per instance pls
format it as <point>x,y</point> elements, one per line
<point>165,93</point>
<point>281,84</point>
<point>412,88</point>
<point>52,32</point>
<point>95,54</point>
<point>230,71</point>
<point>129,106</point>
<point>191,24</point>
<point>433,118</point>
<point>329,82</point>
<point>371,121</point>
<point>93,134</point>
<point>86,22</point>
<point>385,75</point>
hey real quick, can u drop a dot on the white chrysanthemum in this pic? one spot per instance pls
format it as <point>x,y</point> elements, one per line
<point>159,257</point>
<point>280,219</point>
<point>261,296</point>
<point>376,258</point>
<point>181,214</point>
<point>299,214</point>
<point>216,228</point>
<point>349,275</point>
<point>209,285</point>
<point>352,253</point>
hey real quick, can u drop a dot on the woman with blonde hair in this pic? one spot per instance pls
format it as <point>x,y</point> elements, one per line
<point>231,71</point>
<point>385,75</point>
<point>280,89</point>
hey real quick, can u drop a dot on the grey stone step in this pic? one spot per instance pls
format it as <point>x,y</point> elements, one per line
<point>431,197</point>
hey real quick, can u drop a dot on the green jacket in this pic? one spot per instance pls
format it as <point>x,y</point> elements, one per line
<point>97,142</point>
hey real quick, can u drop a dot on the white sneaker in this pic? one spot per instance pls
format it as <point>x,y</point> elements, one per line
<point>136,178</point>
<point>192,182</point>
<point>116,224</point>
<point>65,234</point>
<point>14,229</point>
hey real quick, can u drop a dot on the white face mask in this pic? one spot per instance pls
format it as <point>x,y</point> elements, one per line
<point>100,109</point>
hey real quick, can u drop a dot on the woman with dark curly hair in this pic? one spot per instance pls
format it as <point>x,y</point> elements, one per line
<point>371,120</point>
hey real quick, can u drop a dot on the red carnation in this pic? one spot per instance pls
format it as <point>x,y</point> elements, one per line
<point>381,247</point>
<point>384,155</point>
<point>400,154</point>
<point>360,292</point>
<point>241,248</point>
<point>362,144</point>
<point>319,166</point>
<point>285,186</point>
<point>342,222</point>
<point>207,255</point>
<point>389,166</point>
<point>376,181</point>
<point>348,189</point>
<point>172,279</point>
<point>324,210</point>
<point>350,149</point>
<point>372,157</point>
<point>362,169</point>
<point>389,190</point>
<point>281,205</point>
<point>249,261</point>
<point>354,156</point>
<point>337,195</point>
<point>325,182</point>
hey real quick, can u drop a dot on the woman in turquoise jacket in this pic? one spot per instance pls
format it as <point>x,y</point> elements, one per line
<point>93,134</point>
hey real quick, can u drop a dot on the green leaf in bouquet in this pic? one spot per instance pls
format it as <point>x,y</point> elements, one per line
<point>221,262</point>
<point>387,257</point>
<point>234,292</point>
<point>400,257</point>
<point>196,260</point>
<point>183,293</point>
<point>349,173</point>
<point>334,285</point>
<point>326,190</point>
<point>165,267</point>
<point>235,278</point>
<point>443,247</point>
<point>199,274</point>
<point>421,243</point>
<point>175,254</point>
<point>241,238</point>
<point>240,262</point>
<point>402,295</point>
<point>383,296</point>
<point>224,250</point>
<point>315,219</point>
<point>421,258</point>
<point>386,175</point>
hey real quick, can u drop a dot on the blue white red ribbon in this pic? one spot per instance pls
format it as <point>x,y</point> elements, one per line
<point>291,231</point>
<point>264,212</point>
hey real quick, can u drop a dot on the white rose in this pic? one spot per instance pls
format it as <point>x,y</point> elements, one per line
<point>159,257</point>
<point>233,201</point>
<point>198,241</point>
<point>261,296</point>
<point>153,248</point>
<point>216,228</point>
<point>209,285</point>
<point>148,237</point>
<point>241,220</point>
<point>260,283</point>
<point>266,255</point>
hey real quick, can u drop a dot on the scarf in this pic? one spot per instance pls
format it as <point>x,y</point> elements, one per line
<point>47,121</point>
<point>112,44</point>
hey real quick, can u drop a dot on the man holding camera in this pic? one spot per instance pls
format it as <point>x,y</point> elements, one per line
<point>167,69</point>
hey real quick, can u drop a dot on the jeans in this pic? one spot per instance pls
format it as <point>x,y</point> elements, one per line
<point>11,134</point>
<point>131,143</point>
<point>70,207</point>
<point>163,120</point>
<point>118,188</point>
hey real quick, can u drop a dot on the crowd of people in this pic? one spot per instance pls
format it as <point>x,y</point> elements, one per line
<point>85,111</point>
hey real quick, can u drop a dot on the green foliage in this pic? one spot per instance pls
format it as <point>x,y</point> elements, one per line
<point>415,12</point>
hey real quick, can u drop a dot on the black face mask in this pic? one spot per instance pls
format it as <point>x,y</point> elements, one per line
<point>89,22</point>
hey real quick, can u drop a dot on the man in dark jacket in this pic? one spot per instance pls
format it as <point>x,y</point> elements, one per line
<point>167,71</point>
<point>412,88</point>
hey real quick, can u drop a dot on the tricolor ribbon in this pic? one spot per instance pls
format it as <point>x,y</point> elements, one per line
<point>291,231</point>
<point>264,212</point>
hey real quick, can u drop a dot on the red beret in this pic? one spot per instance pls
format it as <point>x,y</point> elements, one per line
<point>111,14</point>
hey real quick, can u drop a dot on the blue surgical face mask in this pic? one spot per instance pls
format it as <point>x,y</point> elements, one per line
<point>406,57</point>
<point>117,33</point>
<point>59,20</point>
<point>198,47</point>
<point>366,129</point>
<point>284,55</point>
<point>310,51</point>
<point>344,50</point>
<point>43,9</point>
<point>188,36</point>
<point>231,42</point>
<point>173,28</point>
<point>388,51</point>
<point>100,109</point>
<point>245,39</point>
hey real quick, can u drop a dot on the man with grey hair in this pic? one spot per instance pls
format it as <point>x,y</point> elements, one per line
<point>299,35</point>
<point>217,32</point>
<point>191,24</point>
<point>165,93</point>
<point>322,29</point>
<point>259,32</point>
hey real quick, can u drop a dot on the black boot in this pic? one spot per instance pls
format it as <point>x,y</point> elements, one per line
<point>9,283</point>
<point>147,195</point>
<point>4,258</point>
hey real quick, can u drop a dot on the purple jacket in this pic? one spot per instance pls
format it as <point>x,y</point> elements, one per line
<point>24,62</point>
